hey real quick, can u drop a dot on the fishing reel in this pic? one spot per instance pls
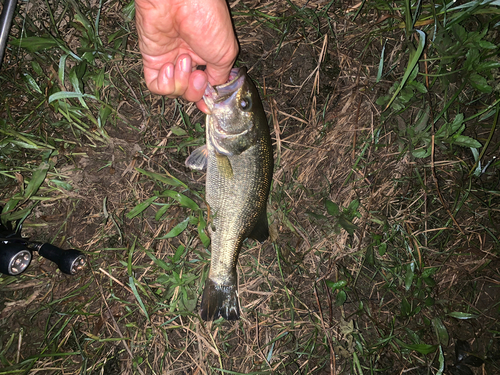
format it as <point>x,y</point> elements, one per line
<point>16,253</point>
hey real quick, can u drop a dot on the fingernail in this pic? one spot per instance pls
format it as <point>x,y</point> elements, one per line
<point>186,65</point>
<point>199,82</point>
<point>169,72</point>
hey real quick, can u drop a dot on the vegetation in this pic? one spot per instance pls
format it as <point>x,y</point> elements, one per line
<point>384,210</point>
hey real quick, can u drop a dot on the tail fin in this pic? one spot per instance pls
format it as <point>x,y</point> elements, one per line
<point>220,300</point>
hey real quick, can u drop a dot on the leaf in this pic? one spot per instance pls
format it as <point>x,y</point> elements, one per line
<point>141,207</point>
<point>202,224</point>
<point>182,199</point>
<point>62,65</point>
<point>35,43</point>
<point>32,83</point>
<point>429,281</point>
<point>479,83</point>
<point>412,64</point>
<point>315,215</point>
<point>331,208</point>
<point>421,348</point>
<point>441,361</point>
<point>167,180</point>
<point>129,11</point>
<point>104,113</point>
<point>341,298</point>
<point>353,206</point>
<point>487,45</point>
<point>178,229</point>
<point>62,184</point>
<point>456,124</point>
<point>178,130</point>
<point>422,152</point>
<point>8,207</point>
<point>462,315</point>
<point>347,225</point>
<point>382,248</point>
<point>487,66</point>
<point>405,307</point>
<point>464,141</point>
<point>178,253</point>
<point>37,68</point>
<point>381,63</point>
<point>420,87</point>
<point>429,271</point>
<point>131,283</point>
<point>441,331</point>
<point>159,262</point>
<point>68,95</point>
<point>99,79</point>
<point>36,180</point>
<point>336,285</point>
<point>409,275</point>
<point>162,212</point>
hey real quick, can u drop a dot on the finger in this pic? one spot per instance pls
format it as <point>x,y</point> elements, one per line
<point>182,73</point>
<point>160,81</point>
<point>196,87</point>
<point>202,106</point>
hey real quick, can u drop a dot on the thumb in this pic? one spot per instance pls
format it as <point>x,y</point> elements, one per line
<point>217,75</point>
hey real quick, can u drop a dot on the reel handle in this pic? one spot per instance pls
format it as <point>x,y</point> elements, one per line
<point>69,261</point>
<point>14,258</point>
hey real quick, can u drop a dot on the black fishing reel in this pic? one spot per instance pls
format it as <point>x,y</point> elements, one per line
<point>16,253</point>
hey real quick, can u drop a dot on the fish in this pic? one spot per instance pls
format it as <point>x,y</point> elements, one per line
<point>238,159</point>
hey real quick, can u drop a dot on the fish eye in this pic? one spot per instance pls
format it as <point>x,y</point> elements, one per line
<point>246,104</point>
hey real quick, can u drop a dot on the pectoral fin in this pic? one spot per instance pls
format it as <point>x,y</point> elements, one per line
<point>198,159</point>
<point>261,230</point>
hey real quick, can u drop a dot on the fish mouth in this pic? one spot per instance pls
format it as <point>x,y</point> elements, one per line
<point>218,94</point>
<point>218,99</point>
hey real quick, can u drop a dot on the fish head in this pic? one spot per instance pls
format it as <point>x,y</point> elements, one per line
<point>236,113</point>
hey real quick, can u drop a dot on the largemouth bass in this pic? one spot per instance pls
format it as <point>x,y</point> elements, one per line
<point>238,158</point>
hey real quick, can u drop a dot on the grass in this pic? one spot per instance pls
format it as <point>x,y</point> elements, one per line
<point>384,209</point>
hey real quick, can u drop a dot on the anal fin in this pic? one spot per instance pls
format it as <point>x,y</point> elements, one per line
<point>260,231</point>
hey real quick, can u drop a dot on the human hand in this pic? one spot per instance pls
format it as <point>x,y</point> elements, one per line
<point>175,36</point>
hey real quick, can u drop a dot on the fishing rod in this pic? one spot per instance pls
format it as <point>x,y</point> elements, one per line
<point>16,253</point>
<point>9,6</point>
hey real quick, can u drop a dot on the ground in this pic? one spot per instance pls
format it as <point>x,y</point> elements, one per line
<point>378,261</point>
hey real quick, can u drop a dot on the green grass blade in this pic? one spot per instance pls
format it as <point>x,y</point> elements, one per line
<point>181,198</point>
<point>36,180</point>
<point>141,207</point>
<point>412,64</point>
<point>167,180</point>
<point>131,283</point>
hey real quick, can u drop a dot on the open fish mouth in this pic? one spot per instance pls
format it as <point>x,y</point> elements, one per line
<point>220,98</point>
<point>218,94</point>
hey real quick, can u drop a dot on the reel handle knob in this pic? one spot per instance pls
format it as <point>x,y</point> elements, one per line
<point>69,261</point>
<point>14,258</point>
